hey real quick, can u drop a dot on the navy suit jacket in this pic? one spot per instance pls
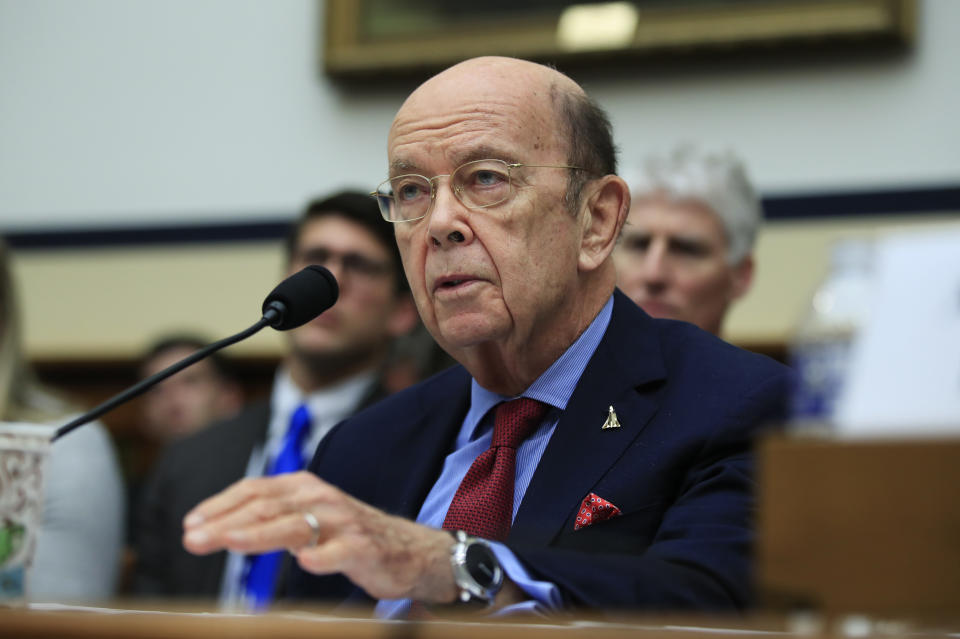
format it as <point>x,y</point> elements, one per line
<point>679,468</point>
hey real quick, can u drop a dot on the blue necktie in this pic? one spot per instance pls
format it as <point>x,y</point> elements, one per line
<point>261,574</point>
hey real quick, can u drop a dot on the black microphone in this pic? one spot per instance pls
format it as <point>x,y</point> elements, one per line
<point>294,302</point>
<point>301,297</point>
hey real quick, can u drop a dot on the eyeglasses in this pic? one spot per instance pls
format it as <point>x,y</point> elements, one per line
<point>350,263</point>
<point>478,185</point>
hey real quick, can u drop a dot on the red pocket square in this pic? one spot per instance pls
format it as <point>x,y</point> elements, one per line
<point>594,509</point>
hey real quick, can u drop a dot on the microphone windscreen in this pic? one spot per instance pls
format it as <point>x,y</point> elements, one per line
<point>303,296</point>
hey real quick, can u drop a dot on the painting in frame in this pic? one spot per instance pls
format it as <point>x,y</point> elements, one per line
<point>388,37</point>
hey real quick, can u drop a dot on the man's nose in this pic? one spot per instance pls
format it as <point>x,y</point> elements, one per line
<point>448,221</point>
<point>655,266</point>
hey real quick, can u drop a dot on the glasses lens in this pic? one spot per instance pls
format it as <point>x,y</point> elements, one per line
<point>408,197</point>
<point>363,266</point>
<point>350,262</point>
<point>482,183</point>
<point>385,201</point>
<point>314,255</point>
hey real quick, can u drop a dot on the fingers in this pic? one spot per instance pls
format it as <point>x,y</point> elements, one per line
<point>329,531</point>
<point>255,515</point>
<point>323,558</point>
<point>287,531</point>
<point>236,495</point>
<point>232,529</point>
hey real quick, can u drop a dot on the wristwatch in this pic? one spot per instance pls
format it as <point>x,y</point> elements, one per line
<point>475,569</point>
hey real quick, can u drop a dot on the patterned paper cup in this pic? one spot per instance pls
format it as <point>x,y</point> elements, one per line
<point>24,449</point>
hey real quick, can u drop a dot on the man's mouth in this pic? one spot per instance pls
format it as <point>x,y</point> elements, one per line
<point>452,282</point>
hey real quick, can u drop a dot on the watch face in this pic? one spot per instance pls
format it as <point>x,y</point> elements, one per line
<point>482,565</point>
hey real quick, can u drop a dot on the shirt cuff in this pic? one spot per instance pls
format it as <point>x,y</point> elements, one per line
<point>544,595</point>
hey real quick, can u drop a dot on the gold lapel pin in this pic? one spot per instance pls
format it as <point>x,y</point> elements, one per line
<point>612,421</point>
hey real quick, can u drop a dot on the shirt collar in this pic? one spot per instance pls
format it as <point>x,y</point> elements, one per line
<point>331,404</point>
<point>556,384</point>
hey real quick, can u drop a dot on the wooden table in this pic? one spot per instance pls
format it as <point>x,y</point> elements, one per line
<point>110,623</point>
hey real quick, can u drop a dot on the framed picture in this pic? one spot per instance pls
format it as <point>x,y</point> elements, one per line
<point>391,37</point>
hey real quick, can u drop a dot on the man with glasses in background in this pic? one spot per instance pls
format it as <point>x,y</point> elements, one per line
<point>331,369</point>
<point>584,455</point>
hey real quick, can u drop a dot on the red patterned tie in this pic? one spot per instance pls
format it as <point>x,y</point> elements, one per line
<point>483,504</point>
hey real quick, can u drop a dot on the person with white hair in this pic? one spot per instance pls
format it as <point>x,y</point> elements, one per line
<point>686,251</point>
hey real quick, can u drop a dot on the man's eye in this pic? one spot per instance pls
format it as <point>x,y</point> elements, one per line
<point>355,263</point>
<point>315,256</point>
<point>408,191</point>
<point>689,248</point>
<point>360,264</point>
<point>488,178</point>
<point>637,244</point>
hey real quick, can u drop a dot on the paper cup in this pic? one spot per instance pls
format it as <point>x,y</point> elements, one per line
<point>24,449</point>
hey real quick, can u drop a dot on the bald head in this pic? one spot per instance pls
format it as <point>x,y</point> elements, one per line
<point>493,79</point>
<point>546,102</point>
<point>484,89</point>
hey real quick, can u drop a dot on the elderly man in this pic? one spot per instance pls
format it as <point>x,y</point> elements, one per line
<point>584,454</point>
<point>687,247</point>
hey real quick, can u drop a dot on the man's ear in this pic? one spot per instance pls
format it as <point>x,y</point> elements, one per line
<point>403,318</point>
<point>742,278</point>
<point>604,212</point>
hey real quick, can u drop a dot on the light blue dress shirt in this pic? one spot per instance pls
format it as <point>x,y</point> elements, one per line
<point>554,387</point>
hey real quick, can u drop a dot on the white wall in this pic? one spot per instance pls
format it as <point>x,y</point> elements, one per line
<point>126,111</point>
<point>180,108</point>
<point>119,112</point>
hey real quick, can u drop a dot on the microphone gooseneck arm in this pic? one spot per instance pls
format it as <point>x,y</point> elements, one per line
<point>269,318</point>
<point>292,303</point>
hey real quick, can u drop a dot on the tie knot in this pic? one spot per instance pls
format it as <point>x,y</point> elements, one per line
<point>515,420</point>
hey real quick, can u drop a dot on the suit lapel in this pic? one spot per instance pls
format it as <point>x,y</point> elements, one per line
<point>417,455</point>
<point>622,373</point>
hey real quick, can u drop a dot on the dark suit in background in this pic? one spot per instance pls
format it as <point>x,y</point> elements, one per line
<point>189,471</point>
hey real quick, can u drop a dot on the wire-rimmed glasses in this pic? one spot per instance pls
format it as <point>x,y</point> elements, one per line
<point>478,185</point>
<point>352,263</point>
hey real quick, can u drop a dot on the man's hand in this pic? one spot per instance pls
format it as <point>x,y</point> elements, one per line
<point>389,557</point>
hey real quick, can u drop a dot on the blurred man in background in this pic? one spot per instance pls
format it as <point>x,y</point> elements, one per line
<point>686,251</point>
<point>332,368</point>
<point>202,393</point>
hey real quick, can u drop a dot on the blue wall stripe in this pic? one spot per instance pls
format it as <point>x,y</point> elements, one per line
<point>942,199</point>
<point>87,237</point>
<point>819,206</point>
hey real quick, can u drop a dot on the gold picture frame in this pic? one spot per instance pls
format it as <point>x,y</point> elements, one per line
<point>389,37</point>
